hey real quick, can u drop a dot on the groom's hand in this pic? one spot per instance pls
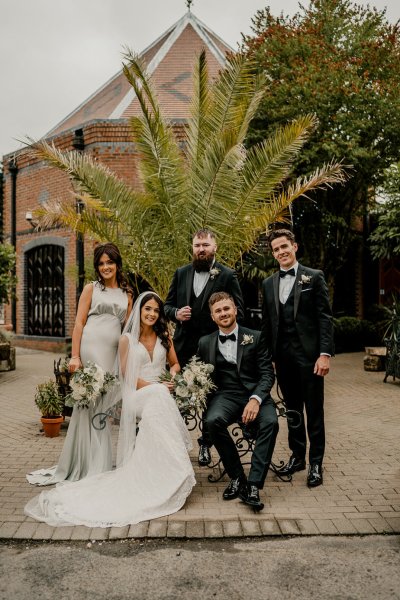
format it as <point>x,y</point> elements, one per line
<point>251,410</point>
<point>184,313</point>
<point>321,367</point>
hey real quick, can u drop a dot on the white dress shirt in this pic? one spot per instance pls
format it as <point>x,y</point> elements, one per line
<point>229,348</point>
<point>286,283</point>
<point>200,280</point>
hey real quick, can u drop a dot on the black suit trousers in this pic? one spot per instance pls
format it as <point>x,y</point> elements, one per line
<point>301,389</point>
<point>226,409</point>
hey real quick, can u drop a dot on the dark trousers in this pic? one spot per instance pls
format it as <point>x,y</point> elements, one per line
<point>224,410</point>
<point>301,389</point>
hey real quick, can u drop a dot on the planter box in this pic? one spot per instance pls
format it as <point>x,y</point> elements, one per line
<point>7,357</point>
<point>375,358</point>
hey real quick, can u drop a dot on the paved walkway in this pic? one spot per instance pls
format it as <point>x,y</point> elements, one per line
<point>360,495</point>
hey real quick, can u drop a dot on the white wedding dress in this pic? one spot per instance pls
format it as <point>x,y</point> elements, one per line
<point>156,476</point>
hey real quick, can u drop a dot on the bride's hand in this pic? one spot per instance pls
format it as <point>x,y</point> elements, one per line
<point>74,364</point>
<point>169,385</point>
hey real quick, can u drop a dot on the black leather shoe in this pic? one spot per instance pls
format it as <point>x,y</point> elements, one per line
<point>293,464</point>
<point>251,496</point>
<point>234,488</point>
<point>314,475</point>
<point>204,456</point>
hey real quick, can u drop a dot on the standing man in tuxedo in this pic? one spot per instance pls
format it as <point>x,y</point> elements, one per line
<point>187,305</point>
<point>244,376</point>
<point>297,323</point>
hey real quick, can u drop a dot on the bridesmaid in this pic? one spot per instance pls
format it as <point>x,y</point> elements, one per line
<point>103,309</point>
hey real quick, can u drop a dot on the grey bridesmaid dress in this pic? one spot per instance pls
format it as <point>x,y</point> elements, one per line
<point>87,451</point>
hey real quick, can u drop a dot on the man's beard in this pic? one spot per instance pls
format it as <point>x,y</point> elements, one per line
<point>203,263</point>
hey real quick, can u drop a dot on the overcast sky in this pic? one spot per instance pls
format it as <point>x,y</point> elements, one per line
<point>56,53</point>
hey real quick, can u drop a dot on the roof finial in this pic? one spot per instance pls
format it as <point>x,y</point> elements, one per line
<point>188,4</point>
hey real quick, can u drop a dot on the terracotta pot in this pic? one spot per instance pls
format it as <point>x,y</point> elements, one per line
<point>51,425</point>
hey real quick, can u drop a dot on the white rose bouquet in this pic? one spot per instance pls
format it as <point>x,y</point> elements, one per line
<point>192,385</point>
<point>87,384</point>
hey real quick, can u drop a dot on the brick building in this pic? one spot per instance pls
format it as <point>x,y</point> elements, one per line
<point>44,312</point>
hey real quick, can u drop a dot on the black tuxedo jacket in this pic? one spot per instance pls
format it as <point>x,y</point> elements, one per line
<point>254,362</point>
<point>180,293</point>
<point>312,312</point>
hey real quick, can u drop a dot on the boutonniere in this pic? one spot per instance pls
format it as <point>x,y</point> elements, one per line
<point>305,279</point>
<point>214,272</point>
<point>247,339</point>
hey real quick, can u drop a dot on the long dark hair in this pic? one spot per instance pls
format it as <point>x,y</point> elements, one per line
<point>160,327</point>
<point>113,254</point>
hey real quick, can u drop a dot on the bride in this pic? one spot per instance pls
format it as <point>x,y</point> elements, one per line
<point>154,475</point>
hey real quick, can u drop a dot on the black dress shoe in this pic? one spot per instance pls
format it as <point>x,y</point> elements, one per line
<point>204,456</point>
<point>251,496</point>
<point>294,464</point>
<point>234,488</point>
<point>314,475</point>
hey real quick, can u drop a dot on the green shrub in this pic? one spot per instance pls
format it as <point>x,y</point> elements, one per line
<point>352,334</point>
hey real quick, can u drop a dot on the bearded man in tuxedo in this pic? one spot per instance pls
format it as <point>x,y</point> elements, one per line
<point>298,326</point>
<point>187,305</point>
<point>243,375</point>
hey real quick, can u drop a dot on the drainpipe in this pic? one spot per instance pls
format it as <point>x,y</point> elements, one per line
<point>78,143</point>
<point>13,169</point>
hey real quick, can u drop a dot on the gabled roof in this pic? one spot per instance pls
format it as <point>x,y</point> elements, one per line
<point>170,60</point>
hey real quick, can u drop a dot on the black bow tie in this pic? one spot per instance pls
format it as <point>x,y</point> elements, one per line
<point>223,338</point>
<point>290,272</point>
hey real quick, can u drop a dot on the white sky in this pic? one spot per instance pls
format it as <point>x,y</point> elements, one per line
<point>56,53</point>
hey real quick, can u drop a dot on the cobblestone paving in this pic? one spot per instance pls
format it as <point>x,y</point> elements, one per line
<point>360,495</point>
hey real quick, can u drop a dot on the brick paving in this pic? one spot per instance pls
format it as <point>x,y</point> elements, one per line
<point>360,495</point>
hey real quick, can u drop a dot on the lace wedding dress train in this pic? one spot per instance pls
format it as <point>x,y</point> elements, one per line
<point>154,480</point>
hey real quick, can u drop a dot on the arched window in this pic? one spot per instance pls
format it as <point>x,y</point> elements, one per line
<point>45,290</point>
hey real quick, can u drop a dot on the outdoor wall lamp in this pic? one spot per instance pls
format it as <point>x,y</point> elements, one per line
<point>30,219</point>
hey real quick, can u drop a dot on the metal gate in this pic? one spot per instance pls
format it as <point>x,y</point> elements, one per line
<point>45,291</point>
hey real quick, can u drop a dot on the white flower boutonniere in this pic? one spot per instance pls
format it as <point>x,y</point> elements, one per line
<point>214,273</point>
<point>305,279</point>
<point>247,339</point>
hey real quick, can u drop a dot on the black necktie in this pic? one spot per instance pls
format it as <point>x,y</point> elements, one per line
<point>223,338</point>
<point>290,272</point>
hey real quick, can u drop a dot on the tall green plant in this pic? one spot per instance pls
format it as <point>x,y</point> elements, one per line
<point>7,276</point>
<point>213,182</point>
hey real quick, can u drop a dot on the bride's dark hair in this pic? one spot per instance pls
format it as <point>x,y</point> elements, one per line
<point>113,254</point>
<point>160,327</point>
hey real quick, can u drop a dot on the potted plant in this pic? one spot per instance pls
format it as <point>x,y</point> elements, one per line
<point>50,404</point>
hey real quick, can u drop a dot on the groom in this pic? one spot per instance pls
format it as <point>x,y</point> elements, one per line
<point>244,376</point>
<point>187,305</point>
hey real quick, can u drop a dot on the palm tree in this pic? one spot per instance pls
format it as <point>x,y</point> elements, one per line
<point>214,181</point>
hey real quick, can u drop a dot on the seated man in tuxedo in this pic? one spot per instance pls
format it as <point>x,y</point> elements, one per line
<point>244,376</point>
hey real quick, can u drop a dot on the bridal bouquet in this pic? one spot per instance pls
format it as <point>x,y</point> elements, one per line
<point>192,385</point>
<point>87,384</point>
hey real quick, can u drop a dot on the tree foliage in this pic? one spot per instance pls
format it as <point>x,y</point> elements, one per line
<point>340,61</point>
<point>7,277</point>
<point>213,182</point>
<point>385,239</point>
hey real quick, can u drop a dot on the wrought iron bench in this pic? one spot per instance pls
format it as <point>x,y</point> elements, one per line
<point>244,435</point>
